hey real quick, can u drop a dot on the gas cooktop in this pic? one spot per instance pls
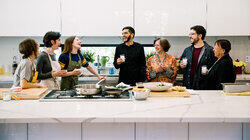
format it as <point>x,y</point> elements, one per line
<point>70,95</point>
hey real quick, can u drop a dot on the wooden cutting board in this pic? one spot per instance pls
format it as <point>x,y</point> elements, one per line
<point>247,93</point>
<point>28,94</point>
<point>169,93</point>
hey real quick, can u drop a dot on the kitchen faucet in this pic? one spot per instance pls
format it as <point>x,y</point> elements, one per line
<point>98,65</point>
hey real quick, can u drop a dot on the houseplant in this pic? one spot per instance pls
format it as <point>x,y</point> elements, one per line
<point>238,66</point>
<point>88,55</point>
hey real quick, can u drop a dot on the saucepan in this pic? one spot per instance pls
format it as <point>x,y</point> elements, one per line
<point>117,90</point>
<point>88,89</point>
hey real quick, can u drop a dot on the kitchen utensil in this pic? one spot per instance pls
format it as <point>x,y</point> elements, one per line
<point>97,84</point>
<point>235,87</point>
<point>87,89</point>
<point>28,94</point>
<point>140,94</point>
<point>169,93</point>
<point>157,86</point>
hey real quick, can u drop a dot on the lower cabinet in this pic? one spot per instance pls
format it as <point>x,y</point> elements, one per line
<point>125,131</point>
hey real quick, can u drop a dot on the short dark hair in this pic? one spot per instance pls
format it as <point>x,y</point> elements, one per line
<point>224,44</point>
<point>50,36</point>
<point>131,29</point>
<point>199,30</point>
<point>27,47</point>
<point>164,43</point>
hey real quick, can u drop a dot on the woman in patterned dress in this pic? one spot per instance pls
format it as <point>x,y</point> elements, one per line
<point>161,67</point>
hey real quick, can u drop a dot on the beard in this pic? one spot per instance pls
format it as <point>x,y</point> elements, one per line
<point>128,39</point>
<point>195,41</point>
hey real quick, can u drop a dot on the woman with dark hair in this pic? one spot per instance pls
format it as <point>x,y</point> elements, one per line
<point>47,66</point>
<point>26,75</point>
<point>222,71</point>
<point>161,67</point>
<point>72,60</point>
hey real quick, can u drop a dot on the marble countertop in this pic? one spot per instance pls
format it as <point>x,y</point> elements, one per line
<point>202,106</point>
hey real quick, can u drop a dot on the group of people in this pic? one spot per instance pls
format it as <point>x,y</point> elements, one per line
<point>204,67</point>
<point>43,70</point>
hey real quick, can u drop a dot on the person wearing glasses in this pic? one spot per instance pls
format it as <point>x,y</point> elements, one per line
<point>196,56</point>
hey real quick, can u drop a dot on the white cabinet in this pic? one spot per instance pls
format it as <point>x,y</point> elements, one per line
<point>96,17</point>
<point>108,131</point>
<point>228,17</point>
<point>168,17</point>
<point>29,17</point>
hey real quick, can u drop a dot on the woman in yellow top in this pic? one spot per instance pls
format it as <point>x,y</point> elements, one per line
<point>161,67</point>
<point>26,75</point>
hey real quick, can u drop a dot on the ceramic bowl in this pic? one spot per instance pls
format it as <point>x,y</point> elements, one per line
<point>140,94</point>
<point>158,86</point>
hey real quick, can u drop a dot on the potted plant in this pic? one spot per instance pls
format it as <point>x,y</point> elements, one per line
<point>148,55</point>
<point>238,66</point>
<point>88,55</point>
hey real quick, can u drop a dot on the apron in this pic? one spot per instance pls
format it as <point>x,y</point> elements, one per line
<point>69,82</point>
<point>34,73</point>
<point>52,83</point>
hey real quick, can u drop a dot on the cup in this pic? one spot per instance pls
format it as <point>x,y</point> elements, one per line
<point>204,70</point>
<point>184,61</point>
<point>122,56</point>
<point>6,95</point>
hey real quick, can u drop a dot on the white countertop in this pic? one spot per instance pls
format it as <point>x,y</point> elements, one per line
<point>202,106</point>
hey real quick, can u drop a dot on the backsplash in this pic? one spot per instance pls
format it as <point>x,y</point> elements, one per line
<point>240,45</point>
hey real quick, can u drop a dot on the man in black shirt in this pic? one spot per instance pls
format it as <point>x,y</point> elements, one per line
<point>130,58</point>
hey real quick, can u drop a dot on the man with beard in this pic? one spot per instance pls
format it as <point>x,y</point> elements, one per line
<point>130,59</point>
<point>197,55</point>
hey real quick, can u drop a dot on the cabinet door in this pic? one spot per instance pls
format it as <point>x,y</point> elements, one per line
<point>96,17</point>
<point>29,17</point>
<point>228,17</point>
<point>168,17</point>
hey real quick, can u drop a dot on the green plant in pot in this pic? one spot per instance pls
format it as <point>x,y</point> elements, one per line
<point>88,55</point>
<point>148,55</point>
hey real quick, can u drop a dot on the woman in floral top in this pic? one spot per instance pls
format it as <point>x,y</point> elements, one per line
<point>161,67</point>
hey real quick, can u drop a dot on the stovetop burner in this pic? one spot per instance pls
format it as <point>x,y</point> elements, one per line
<point>70,95</point>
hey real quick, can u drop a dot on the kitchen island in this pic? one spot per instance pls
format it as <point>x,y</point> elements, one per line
<point>206,115</point>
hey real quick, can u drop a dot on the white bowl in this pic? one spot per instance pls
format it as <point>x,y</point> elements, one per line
<point>141,94</point>
<point>154,86</point>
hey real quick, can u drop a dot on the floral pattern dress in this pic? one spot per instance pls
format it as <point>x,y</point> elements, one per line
<point>166,76</point>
